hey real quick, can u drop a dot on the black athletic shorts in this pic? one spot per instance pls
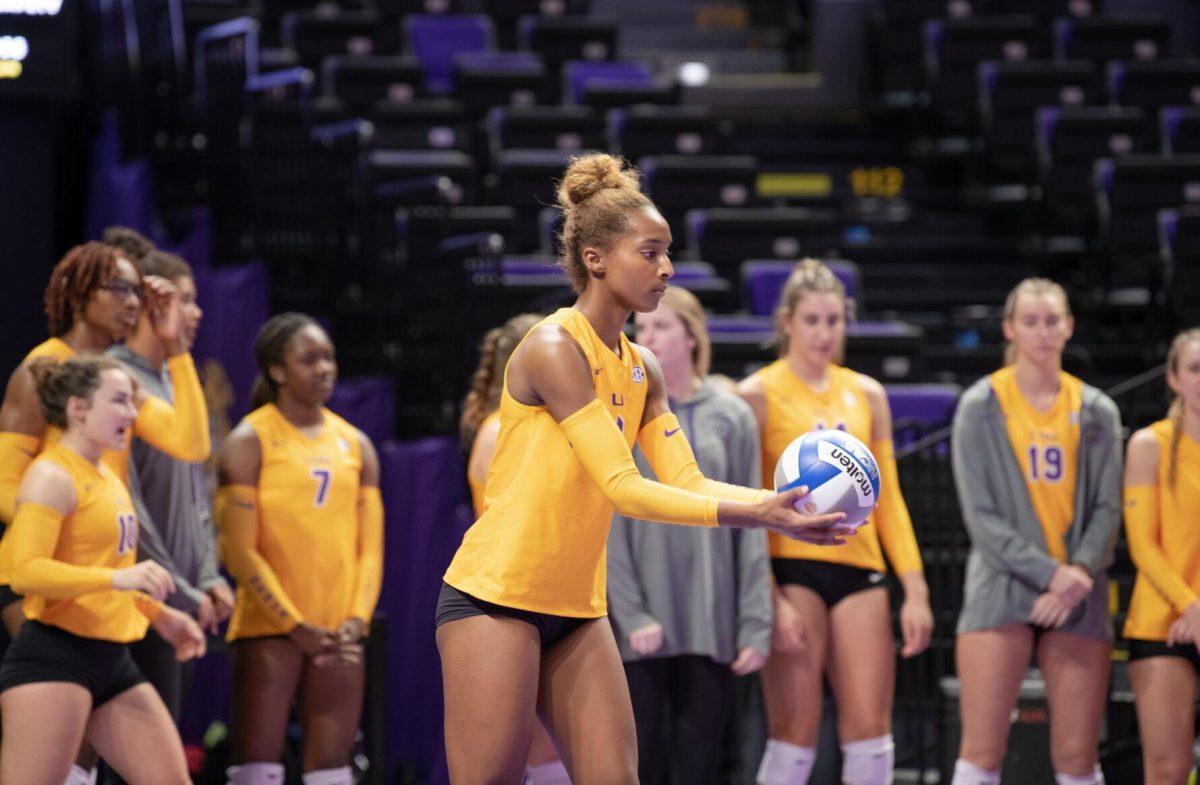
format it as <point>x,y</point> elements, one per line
<point>8,596</point>
<point>42,652</point>
<point>453,605</point>
<point>832,582</point>
<point>1141,650</point>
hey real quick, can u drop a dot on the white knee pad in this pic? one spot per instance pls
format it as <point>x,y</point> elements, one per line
<point>1095,778</point>
<point>80,776</point>
<point>785,764</point>
<point>552,773</point>
<point>967,773</point>
<point>868,761</point>
<point>255,774</point>
<point>339,776</point>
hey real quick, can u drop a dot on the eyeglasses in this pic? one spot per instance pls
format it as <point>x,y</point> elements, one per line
<point>122,289</point>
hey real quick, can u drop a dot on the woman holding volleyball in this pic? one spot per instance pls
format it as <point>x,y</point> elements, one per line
<point>831,607</point>
<point>691,607</point>
<point>1162,505</point>
<point>521,617</point>
<point>1037,463</point>
<point>479,427</point>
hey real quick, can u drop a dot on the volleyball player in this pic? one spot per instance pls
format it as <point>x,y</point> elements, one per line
<point>1162,506</point>
<point>521,619</point>
<point>92,301</point>
<point>690,607</point>
<point>68,675</point>
<point>301,530</point>
<point>1037,463</point>
<point>832,617</point>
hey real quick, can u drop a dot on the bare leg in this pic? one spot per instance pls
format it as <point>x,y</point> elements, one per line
<point>542,749</point>
<point>266,672</point>
<point>792,683</point>
<point>991,664</point>
<point>1076,670</point>
<point>135,734</point>
<point>490,681</point>
<point>331,698</point>
<point>584,701</point>
<point>43,726</point>
<point>862,661</point>
<point>1165,689</point>
<point>13,616</point>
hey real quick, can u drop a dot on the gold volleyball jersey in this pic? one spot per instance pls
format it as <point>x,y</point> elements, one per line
<point>478,488</point>
<point>1150,613</point>
<point>1047,448</point>
<point>793,409</point>
<point>102,531</point>
<point>307,521</point>
<point>61,351</point>
<point>541,544</point>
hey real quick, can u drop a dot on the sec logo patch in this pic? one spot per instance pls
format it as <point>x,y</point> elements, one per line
<point>639,375</point>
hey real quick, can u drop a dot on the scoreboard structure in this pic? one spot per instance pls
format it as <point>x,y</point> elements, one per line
<point>39,49</point>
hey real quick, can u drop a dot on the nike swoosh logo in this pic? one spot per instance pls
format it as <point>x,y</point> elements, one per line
<point>670,433</point>
<point>599,371</point>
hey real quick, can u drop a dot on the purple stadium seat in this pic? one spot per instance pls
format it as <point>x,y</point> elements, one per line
<point>437,40</point>
<point>930,405</point>
<point>369,404</point>
<point>579,75</point>
<point>763,280</point>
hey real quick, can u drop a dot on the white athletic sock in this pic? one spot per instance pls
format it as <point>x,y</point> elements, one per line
<point>868,761</point>
<point>255,774</point>
<point>1095,778</point>
<point>80,776</point>
<point>552,773</point>
<point>786,764</point>
<point>341,776</point>
<point>967,773</point>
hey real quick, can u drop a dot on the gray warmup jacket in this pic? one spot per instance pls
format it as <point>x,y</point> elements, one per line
<point>710,589</point>
<point>1009,565</point>
<point>171,501</point>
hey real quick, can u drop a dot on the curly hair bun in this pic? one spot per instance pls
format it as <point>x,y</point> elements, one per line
<point>588,175</point>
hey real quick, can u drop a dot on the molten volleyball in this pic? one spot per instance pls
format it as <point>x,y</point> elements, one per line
<point>839,471</point>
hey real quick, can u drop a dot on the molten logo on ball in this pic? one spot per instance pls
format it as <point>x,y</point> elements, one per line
<point>839,471</point>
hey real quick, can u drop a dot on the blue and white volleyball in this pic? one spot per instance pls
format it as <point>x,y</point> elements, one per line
<point>839,471</point>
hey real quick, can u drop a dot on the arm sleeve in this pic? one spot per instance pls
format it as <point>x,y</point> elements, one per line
<point>237,517</point>
<point>149,607</point>
<point>891,515</point>
<point>180,431</point>
<point>151,546</point>
<point>1142,526</point>
<point>17,451</point>
<point>995,537</point>
<point>1095,549</point>
<point>755,607</point>
<point>626,600</point>
<point>370,554</point>
<point>34,532</point>
<point>602,451</point>
<point>670,455</point>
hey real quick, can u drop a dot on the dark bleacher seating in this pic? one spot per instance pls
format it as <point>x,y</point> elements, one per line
<point>559,39</point>
<point>1011,92</point>
<point>896,33</point>
<point>1105,38</point>
<point>1180,129</point>
<point>762,282</point>
<point>729,236</point>
<point>359,81</point>
<point>1069,140</point>
<point>508,13</point>
<point>544,127</point>
<point>486,79</point>
<point>453,173</point>
<point>526,180</point>
<point>581,76</point>
<point>1131,190</point>
<point>954,48</point>
<point>1179,238</point>
<point>926,406</point>
<point>428,124</point>
<point>315,34</point>
<point>437,40</point>
<point>1155,84</point>
<point>702,280</point>
<point>659,130</point>
<point>1046,10</point>
<point>679,183</point>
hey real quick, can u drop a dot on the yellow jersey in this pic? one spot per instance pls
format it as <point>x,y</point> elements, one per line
<point>795,408</point>
<point>101,532</point>
<point>308,522</point>
<point>541,544</point>
<point>60,350</point>
<point>1173,536</point>
<point>477,487</point>
<point>1047,448</point>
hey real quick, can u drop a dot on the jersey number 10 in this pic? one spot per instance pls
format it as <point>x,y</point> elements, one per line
<point>127,523</point>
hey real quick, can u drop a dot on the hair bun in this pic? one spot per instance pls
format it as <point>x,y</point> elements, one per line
<point>588,175</point>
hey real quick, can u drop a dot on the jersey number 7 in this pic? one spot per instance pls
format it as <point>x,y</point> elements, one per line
<point>323,477</point>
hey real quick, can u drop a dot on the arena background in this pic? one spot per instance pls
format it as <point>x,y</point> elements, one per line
<point>386,164</point>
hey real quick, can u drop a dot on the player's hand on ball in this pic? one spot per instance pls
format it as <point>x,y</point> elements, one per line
<point>781,516</point>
